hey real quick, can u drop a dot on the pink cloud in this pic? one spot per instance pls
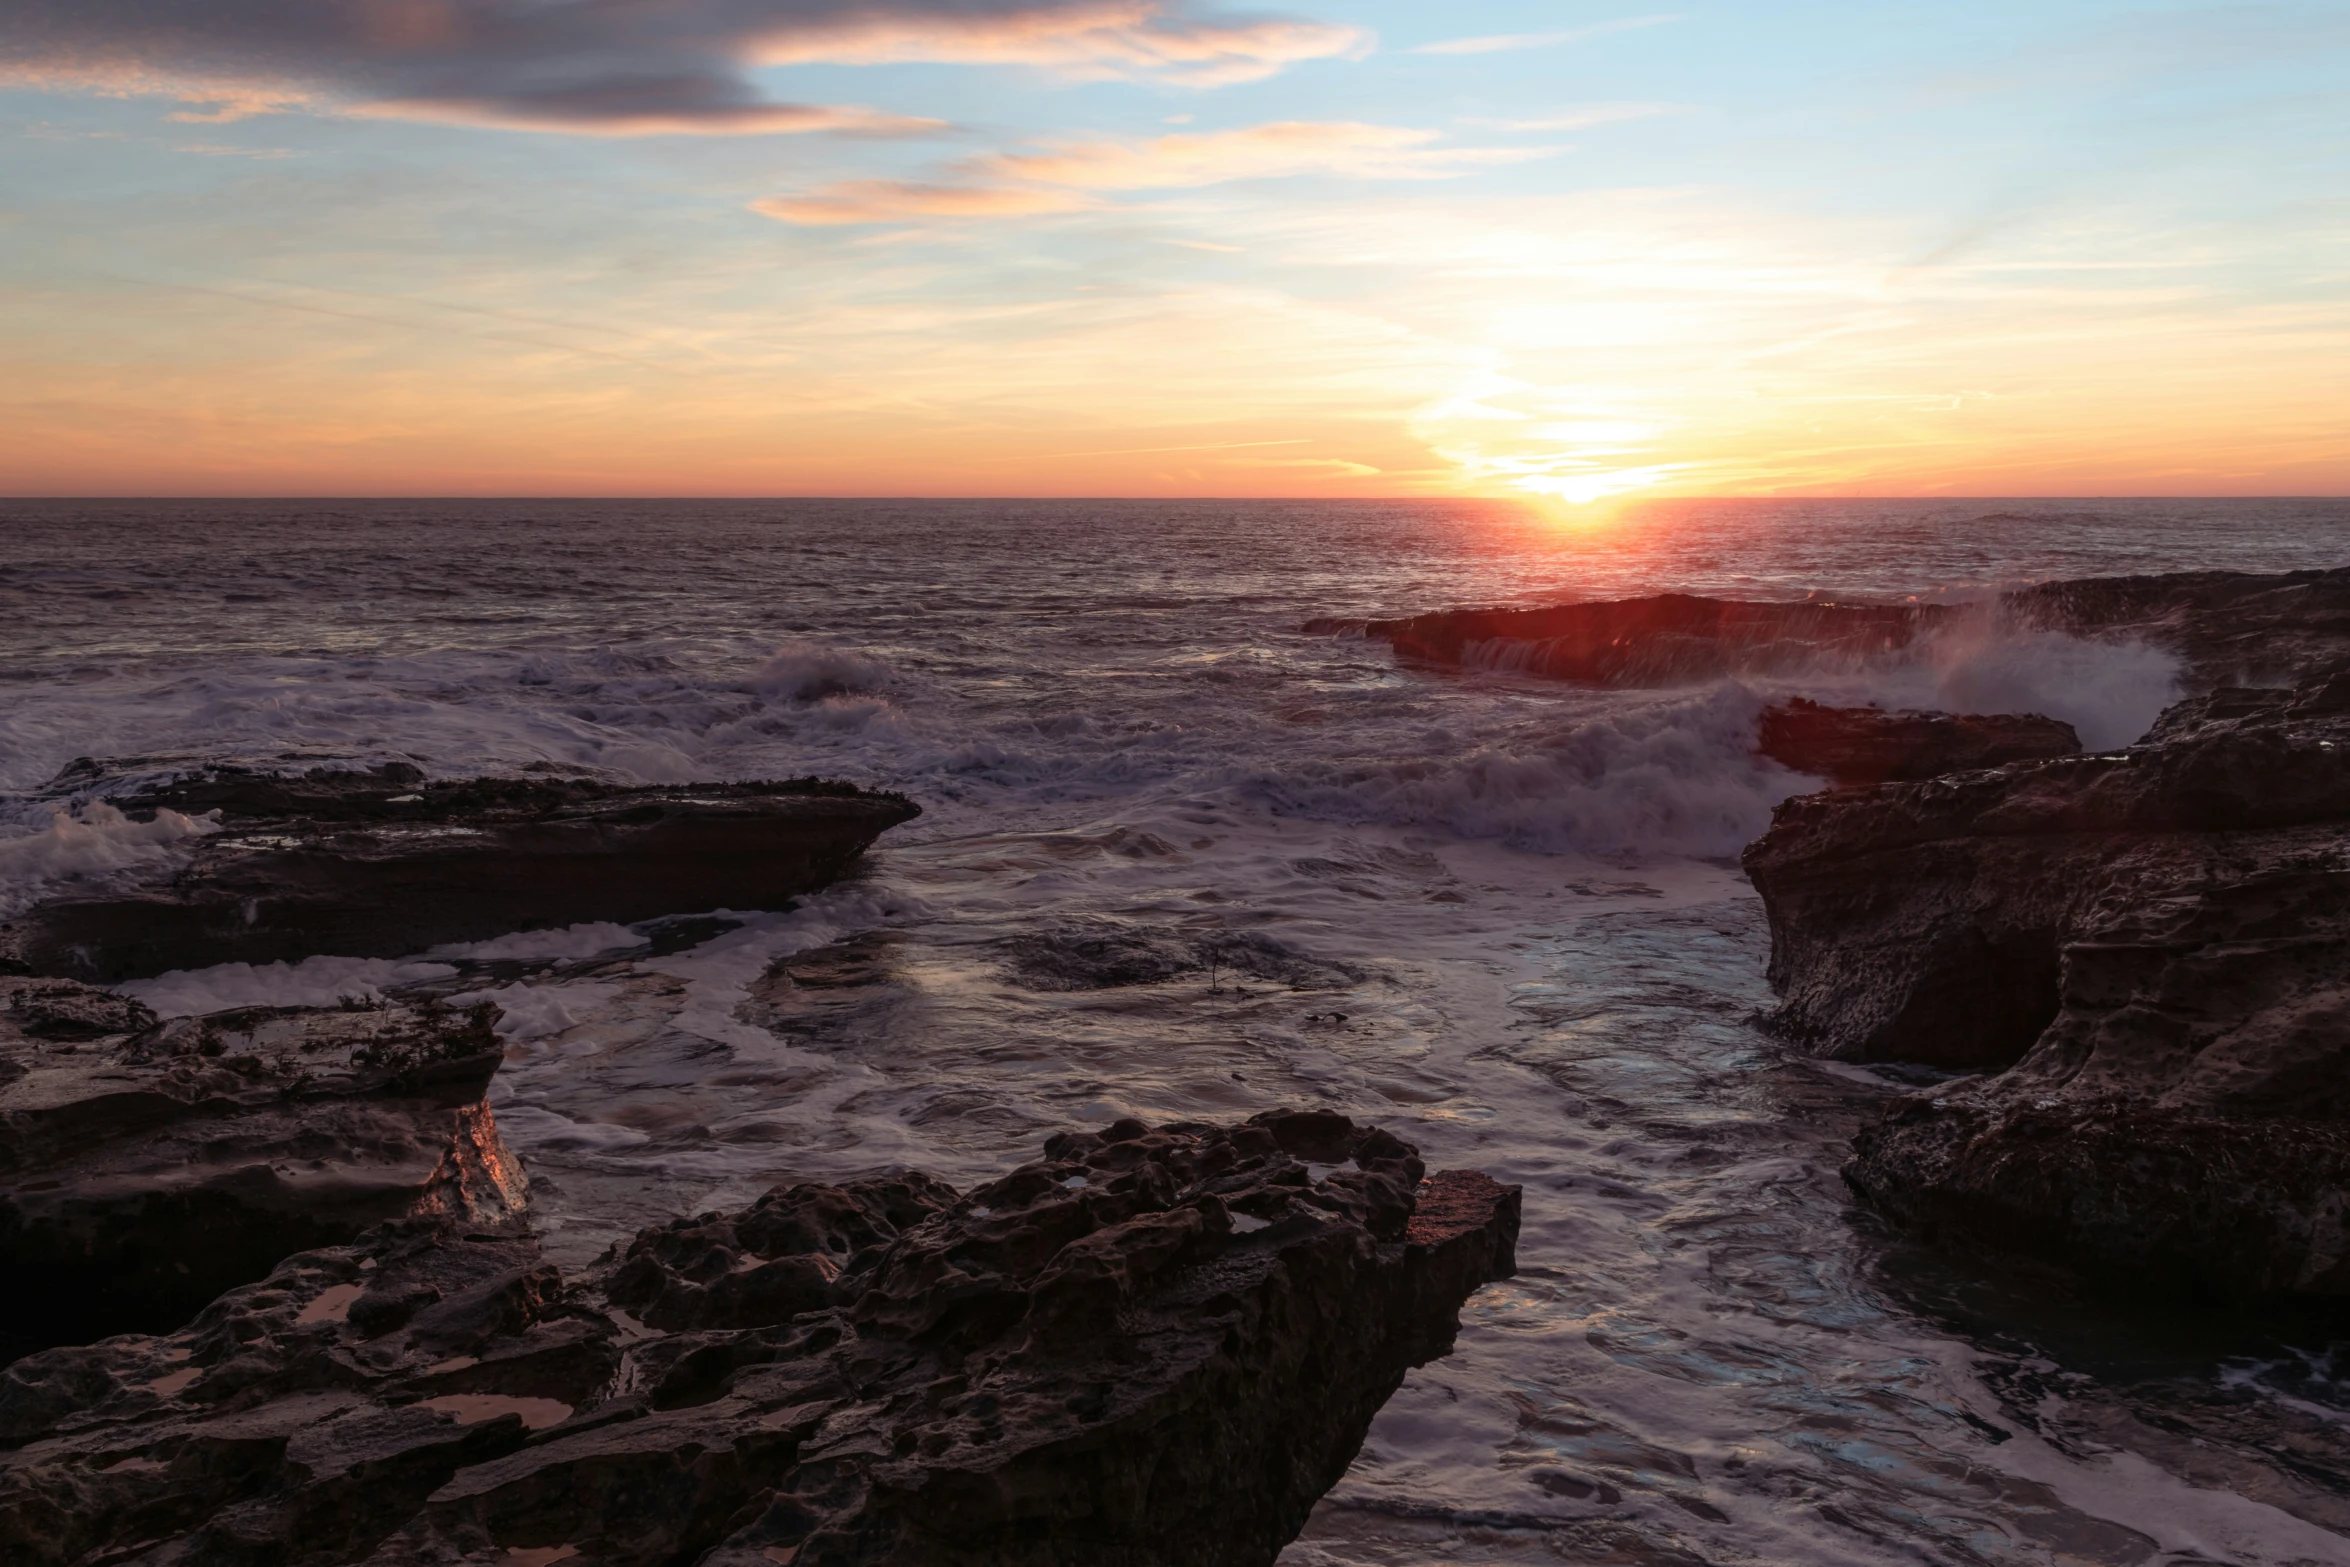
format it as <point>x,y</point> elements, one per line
<point>899,201</point>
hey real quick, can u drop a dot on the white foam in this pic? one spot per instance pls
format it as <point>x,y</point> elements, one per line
<point>548,946</point>
<point>313,982</point>
<point>1665,775</point>
<point>2110,692</point>
<point>99,841</point>
<point>803,671</point>
<point>539,1011</point>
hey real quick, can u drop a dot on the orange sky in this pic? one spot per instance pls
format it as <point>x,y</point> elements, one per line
<point>1310,259</point>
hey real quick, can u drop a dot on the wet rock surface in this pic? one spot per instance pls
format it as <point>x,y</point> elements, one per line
<point>1853,746</point>
<point>2230,627</point>
<point>1664,640</point>
<point>2151,951</point>
<point>1152,1346</point>
<point>2227,627</point>
<point>383,863</point>
<point>146,1167</point>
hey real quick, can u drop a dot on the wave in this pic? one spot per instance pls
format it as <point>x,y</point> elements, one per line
<point>97,841</point>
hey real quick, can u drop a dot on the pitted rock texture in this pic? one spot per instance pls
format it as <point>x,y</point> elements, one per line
<point>1855,746</point>
<point>1670,639</point>
<point>141,1174</point>
<point>1151,1347</point>
<point>383,863</point>
<point>1929,921</point>
<point>2153,944</point>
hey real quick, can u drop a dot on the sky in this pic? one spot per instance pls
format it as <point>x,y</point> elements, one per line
<point>1569,252</point>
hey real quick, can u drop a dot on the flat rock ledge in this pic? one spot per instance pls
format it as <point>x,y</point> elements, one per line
<point>1153,1346</point>
<point>146,1167</point>
<point>2226,628</point>
<point>1853,747</point>
<point>2146,952</point>
<point>383,863</point>
<point>1667,639</point>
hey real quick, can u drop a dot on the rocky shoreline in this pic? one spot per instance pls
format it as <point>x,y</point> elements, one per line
<point>2131,969</point>
<point>294,1312</point>
<point>1155,1345</point>
<point>2142,956</point>
<point>382,863</point>
<point>292,1309</point>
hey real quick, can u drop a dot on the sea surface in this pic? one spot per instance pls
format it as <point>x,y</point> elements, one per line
<point>1504,918</point>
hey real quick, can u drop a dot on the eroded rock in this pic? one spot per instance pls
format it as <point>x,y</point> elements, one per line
<point>383,864</point>
<point>143,1173</point>
<point>1153,1346</point>
<point>2155,946</point>
<point>1855,746</point>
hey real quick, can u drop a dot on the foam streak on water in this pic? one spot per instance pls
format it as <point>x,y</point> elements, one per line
<point>1497,915</point>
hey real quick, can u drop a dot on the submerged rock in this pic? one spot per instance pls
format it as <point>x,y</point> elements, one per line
<point>1669,639</point>
<point>143,1173</point>
<point>2155,946</point>
<point>1151,1347</point>
<point>383,864</point>
<point>1853,746</point>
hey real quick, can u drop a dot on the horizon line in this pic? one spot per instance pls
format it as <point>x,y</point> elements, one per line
<point>1609,502</point>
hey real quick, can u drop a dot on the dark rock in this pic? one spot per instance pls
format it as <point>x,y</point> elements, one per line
<point>66,1009</point>
<point>1666,640</point>
<point>1853,746</point>
<point>2287,628</point>
<point>143,1174</point>
<point>2154,943</point>
<point>1928,921</point>
<point>382,864</point>
<point>2229,628</point>
<point>1153,1347</point>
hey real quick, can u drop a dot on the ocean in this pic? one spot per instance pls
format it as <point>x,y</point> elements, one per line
<point>1507,915</point>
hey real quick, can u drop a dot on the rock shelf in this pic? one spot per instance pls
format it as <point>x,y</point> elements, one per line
<point>1154,1345</point>
<point>146,1167</point>
<point>1856,746</point>
<point>384,864</point>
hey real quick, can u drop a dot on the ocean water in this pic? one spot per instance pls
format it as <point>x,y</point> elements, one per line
<point>1500,916</point>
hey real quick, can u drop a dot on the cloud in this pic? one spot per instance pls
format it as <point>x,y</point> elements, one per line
<point>607,67</point>
<point>1285,147</point>
<point>899,201</point>
<point>1492,43</point>
<point>1019,184</point>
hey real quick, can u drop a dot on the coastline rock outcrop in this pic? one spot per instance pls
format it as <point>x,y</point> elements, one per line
<point>1663,640</point>
<point>2150,948</point>
<point>1154,1346</point>
<point>384,863</point>
<point>1854,746</point>
<point>2227,627</point>
<point>2284,629</point>
<point>146,1167</point>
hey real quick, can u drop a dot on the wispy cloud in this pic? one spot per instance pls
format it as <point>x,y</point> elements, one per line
<point>1583,118</point>
<point>611,67</point>
<point>1285,147</point>
<point>1492,43</point>
<point>1060,176</point>
<point>901,201</point>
